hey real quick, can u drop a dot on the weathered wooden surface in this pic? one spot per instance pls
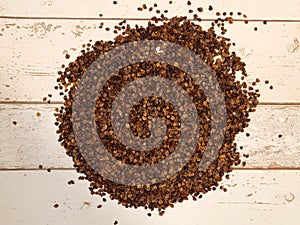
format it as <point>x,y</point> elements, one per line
<point>32,53</point>
<point>33,140</point>
<point>253,197</point>
<point>33,36</point>
<point>255,9</point>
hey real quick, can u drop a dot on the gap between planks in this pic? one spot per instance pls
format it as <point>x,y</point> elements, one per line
<point>140,19</point>
<point>61,102</point>
<point>74,169</point>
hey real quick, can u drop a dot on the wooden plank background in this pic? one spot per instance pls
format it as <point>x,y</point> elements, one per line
<point>260,197</point>
<point>33,37</point>
<point>267,150</point>
<point>31,55</point>
<point>271,10</point>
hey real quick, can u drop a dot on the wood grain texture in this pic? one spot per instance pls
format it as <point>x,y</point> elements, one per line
<point>268,9</point>
<point>32,53</point>
<point>33,140</point>
<point>253,197</point>
<point>34,34</point>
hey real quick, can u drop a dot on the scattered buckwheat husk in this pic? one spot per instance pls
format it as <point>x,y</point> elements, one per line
<point>56,205</point>
<point>71,182</point>
<point>240,98</point>
<point>40,167</point>
<point>246,155</point>
<point>14,122</point>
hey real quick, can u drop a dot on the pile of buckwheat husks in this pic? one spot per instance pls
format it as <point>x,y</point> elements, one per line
<point>240,98</point>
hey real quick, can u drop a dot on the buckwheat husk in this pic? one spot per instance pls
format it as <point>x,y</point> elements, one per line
<point>240,101</point>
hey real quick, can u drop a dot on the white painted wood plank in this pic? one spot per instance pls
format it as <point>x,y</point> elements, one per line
<point>253,197</point>
<point>268,9</point>
<point>265,147</point>
<point>31,55</point>
<point>33,140</point>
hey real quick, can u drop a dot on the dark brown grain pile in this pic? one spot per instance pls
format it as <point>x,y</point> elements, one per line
<point>241,99</point>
